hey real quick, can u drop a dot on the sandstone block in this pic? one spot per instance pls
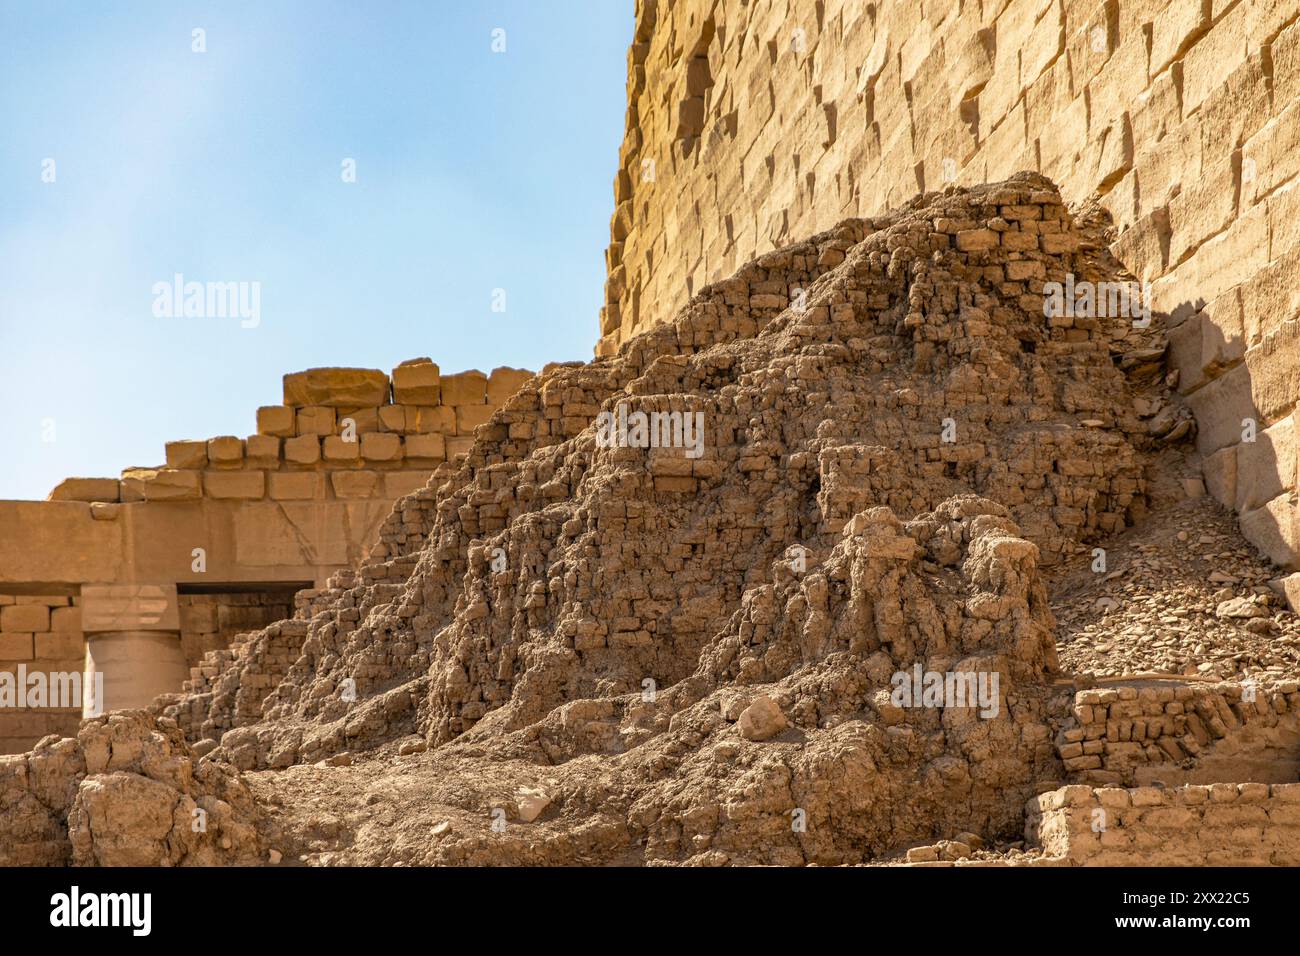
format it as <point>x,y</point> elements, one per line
<point>362,419</point>
<point>316,420</point>
<point>262,450</point>
<point>234,484</point>
<point>187,454</point>
<point>1272,294</point>
<point>469,417</point>
<point>1274,530</point>
<point>296,485</point>
<point>459,446</point>
<point>129,489</point>
<point>1272,156</point>
<point>464,388</point>
<point>433,419</point>
<point>530,803</point>
<point>1220,407</point>
<point>170,484</point>
<point>129,607</point>
<point>417,382</point>
<point>85,489</point>
<point>59,646</point>
<point>276,420</point>
<point>355,484</point>
<point>381,446</point>
<point>397,484</point>
<point>976,240</point>
<point>303,450</point>
<point>1266,467</point>
<point>504,382</point>
<point>1273,371</point>
<point>336,387</point>
<point>1220,473</point>
<point>1178,22</point>
<point>1203,210</point>
<point>65,619</point>
<point>334,448</point>
<point>1286,64</point>
<point>429,447</point>
<point>17,647</point>
<point>395,418</point>
<point>226,451</point>
<point>25,617</point>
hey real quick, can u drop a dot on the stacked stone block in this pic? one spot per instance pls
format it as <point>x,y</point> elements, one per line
<point>1117,733</point>
<point>212,621</point>
<point>341,433</point>
<point>43,633</point>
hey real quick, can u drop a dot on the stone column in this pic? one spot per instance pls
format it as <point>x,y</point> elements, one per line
<point>133,640</point>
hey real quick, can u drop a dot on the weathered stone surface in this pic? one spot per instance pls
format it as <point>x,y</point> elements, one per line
<point>336,387</point>
<point>262,451</point>
<point>85,489</point>
<point>355,484</point>
<point>24,617</point>
<point>381,447</point>
<point>761,720</point>
<point>239,485</point>
<point>164,484</point>
<point>417,382</point>
<point>316,420</point>
<point>190,454</point>
<point>129,607</point>
<point>465,388</point>
<point>276,420</point>
<point>469,417</point>
<point>426,447</point>
<point>306,485</point>
<point>226,451</point>
<point>302,450</point>
<point>504,382</point>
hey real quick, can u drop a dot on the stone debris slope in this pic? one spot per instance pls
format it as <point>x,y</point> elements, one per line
<point>571,651</point>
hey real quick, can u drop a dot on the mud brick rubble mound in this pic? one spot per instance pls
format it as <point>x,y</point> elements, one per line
<point>565,653</point>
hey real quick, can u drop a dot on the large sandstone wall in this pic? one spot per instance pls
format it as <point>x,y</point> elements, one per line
<point>753,122</point>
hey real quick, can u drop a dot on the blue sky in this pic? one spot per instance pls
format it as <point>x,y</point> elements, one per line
<point>475,171</point>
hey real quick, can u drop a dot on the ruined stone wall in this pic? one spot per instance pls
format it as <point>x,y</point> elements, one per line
<point>1221,824</point>
<point>214,543</point>
<point>1177,732</point>
<point>341,434</point>
<point>751,122</point>
<point>212,621</point>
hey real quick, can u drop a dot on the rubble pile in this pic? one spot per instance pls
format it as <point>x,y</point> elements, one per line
<point>683,604</point>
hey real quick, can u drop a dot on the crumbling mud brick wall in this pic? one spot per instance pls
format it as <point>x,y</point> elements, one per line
<point>1177,732</point>
<point>1220,824</point>
<point>751,122</point>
